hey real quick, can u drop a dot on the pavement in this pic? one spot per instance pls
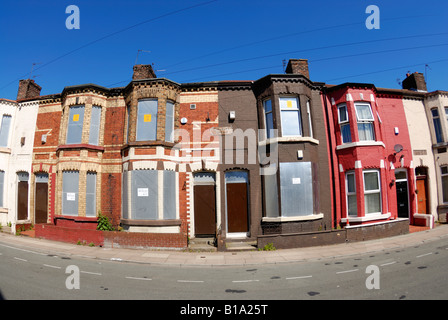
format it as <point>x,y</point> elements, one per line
<point>219,259</point>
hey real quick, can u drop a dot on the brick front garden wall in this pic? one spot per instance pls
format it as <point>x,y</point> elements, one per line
<point>110,239</point>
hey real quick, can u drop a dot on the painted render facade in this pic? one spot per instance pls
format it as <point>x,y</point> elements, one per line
<point>18,119</point>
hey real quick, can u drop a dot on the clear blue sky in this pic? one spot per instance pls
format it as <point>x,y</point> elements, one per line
<point>205,40</point>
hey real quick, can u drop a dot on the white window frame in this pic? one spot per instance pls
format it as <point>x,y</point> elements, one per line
<point>348,193</point>
<point>345,122</point>
<point>360,120</point>
<point>372,191</point>
<point>292,109</point>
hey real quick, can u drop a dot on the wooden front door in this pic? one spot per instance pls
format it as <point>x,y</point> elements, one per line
<point>22,200</point>
<point>421,196</point>
<point>204,210</point>
<point>41,203</point>
<point>237,212</point>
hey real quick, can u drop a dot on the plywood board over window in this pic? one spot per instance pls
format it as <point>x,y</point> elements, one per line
<point>75,125</point>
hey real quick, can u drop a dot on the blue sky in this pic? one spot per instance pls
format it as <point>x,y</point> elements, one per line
<point>206,40</point>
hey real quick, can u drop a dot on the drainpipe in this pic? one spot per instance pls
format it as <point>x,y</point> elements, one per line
<point>330,141</point>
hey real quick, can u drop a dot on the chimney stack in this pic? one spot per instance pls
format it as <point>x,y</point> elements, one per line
<point>298,66</point>
<point>415,81</point>
<point>28,89</point>
<point>143,71</point>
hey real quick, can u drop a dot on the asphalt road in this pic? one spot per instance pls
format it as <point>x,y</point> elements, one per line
<point>418,272</point>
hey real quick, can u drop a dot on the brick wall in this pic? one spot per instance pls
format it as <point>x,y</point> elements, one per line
<point>28,89</point>
<point>110,239</point>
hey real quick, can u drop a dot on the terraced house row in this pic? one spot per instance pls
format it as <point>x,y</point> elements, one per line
<point>282,160</point>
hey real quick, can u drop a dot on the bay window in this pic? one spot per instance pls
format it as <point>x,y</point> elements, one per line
<point>152,195</point>
<point>91,194</point>
<point>437,125</point>
<point>364,116</point>
<point>95,121</point>
<point>70,192</point>
<point>75,125</point>
<point>296,189</point>
<point>344,123</point>
<point>268,118</point>
<point>290,116</point>
<point>147,119</point>
<point>169,122</point>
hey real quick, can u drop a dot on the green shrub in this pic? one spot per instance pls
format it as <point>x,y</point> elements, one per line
<point>104,223</point>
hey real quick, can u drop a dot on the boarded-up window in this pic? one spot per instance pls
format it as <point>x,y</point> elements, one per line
<point>144,189</point>
<point>4,130</point>
<point>70,192</point>
<point>75,123</point>
<point>271,195</point>
<point>95,121</point>
<point>2,188</point>
<point>91,194</point>
<point>125,203</point>
<point>296,189</point>
<point>169,194</point>
<point>169,122</point>
<point>147,120</point>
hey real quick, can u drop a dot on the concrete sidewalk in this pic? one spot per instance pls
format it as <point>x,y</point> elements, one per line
<point>183,258</point>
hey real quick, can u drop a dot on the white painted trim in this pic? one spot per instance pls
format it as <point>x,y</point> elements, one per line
<point>296,218</point>
<point>287,139</point>
<point>369,217</point>
<point>360,144</point>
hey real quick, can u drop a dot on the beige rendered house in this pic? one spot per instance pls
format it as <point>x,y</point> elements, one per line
<point>436,104</point>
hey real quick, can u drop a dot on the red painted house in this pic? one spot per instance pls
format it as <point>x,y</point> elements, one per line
<point>371,152</point>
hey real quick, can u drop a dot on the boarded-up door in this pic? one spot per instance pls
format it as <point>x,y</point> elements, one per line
<point>237,201</point>
<point>204,210</point>
<point>237,207</point>
<point>22,196</point>
<point>41,199</point>
<point>421,196</point>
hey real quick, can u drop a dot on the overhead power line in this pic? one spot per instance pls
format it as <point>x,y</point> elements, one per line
<point>304,50</point>
<point>113,34</point>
